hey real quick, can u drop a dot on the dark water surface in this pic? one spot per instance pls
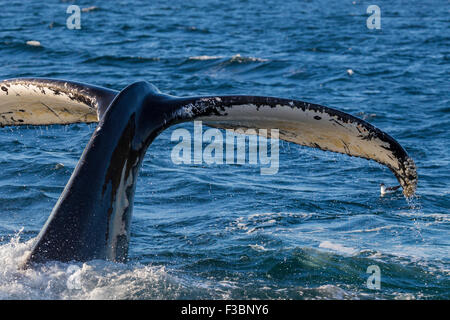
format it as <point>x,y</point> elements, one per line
<point>225,231</point>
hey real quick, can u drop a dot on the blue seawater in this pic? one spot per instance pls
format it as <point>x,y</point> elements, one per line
<point>225,231</point>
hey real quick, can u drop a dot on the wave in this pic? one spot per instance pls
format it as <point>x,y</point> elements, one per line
<point>242,59</point>
<point>118,59</point>
<point>259,273</point>
<point>237,58</point>
<point>91,280</point>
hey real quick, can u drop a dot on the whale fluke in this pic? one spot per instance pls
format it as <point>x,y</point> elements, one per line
<point>92,217</point>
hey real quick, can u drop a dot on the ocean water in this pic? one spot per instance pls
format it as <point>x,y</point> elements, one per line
<point>312,230</point>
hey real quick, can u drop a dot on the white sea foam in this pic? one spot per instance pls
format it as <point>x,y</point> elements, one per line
<point>331,291</point>
<point>89,9</point>
<point>263,220</point>
<point>338,248</point>
<point>203,58</point>
<point>91,280</point>
<point>257,247</point>
<point>33,43</point>
<point>376,229</point>
<point>235,58</point>
<point>326,291</point>
<point>240,59</point>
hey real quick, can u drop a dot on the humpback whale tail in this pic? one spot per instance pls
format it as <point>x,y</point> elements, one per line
<point>92,216</point>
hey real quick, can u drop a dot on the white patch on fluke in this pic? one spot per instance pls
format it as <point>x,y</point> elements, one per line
<point>27,102</point>
<point>308,128</point>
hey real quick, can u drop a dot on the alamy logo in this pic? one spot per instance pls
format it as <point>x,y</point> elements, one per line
<point>214,151</point>
<point>374,280</point>
<point>74,20</point>
<point>374,20</point>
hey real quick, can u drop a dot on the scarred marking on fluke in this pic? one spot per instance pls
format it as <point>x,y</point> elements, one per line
<point>71,102</point>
